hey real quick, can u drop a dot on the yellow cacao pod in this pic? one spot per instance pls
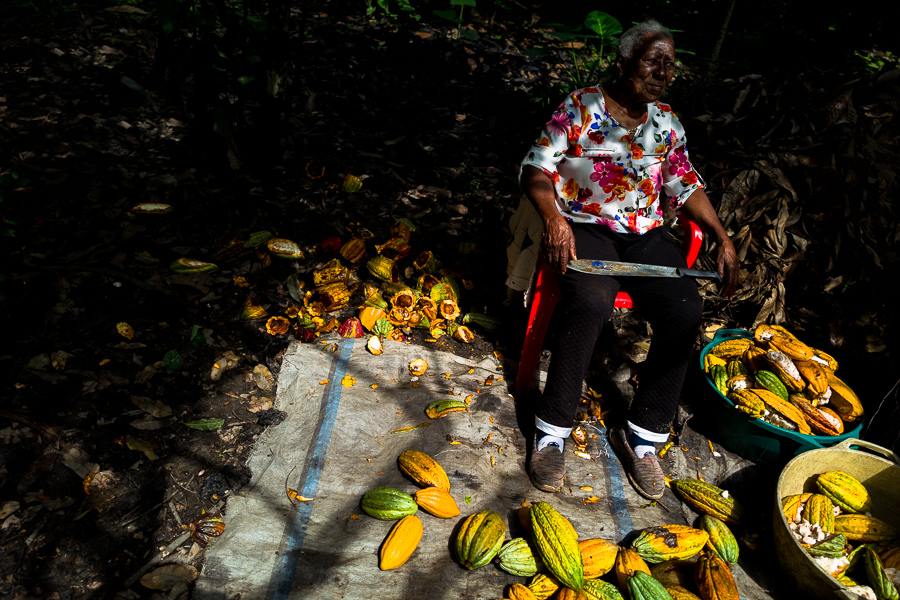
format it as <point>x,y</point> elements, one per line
<point>598,557</point>
<point>843,400</point>
<point>860,528</point>
<point>424,470</point>
<point>731,348</point>
<point>438,502</point>
<point>401,542</point>
<point>820,509</point>
<point>517,591</point>
<point>792,506</point>
<point>627,562</point>
<point>544,585</point>
<point>669,542</point>
<point>844,490</point>
<point>714,579</point>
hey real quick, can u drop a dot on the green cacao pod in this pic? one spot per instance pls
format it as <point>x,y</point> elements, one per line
<point>770,381</point>
<point>388,504</point>
<point>597,589</point>
<point>735,368</point>
<point>517,558</point>
<point>845,491</point>
<point>721,540</point>
<point>670,542</point>
<point>820,509</point>
<point>878,580</point>
<point>708,499</point>
<point>833,546</point>
<point>479,539</point>
<point>643,587</point>
<point>557,545</point>
<point>720,378</point>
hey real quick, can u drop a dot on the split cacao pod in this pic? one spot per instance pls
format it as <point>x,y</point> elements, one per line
<point>384,268</point>
<point>792,506</point>
<point>833,546</point>
<point>438,502</point>
<point>820,509</point>
<point>557,544</point>
<point>822,421</point>
<point>401,542</point>
<point>721,540</point>
<point>669,542</point>
<point>815,376</point>
<point>597,589</point>
<point>388,504</point>
<point>441,408</point>
<point>843,399</point>
<point>628,562</point>
<point>479,539</point>
<point>517,558</point>
<point>641,586</point>
<point>786,371</point>
<point>424,470</point>
<point>878,580</point>
<point>860,528</point>
<point>845,491</point>
<point>598,556</point>
<point>708,499</point>
<point>825,359</point>
<point>714,579</point>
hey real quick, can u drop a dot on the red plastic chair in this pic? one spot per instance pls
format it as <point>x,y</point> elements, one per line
<point>546,295</point>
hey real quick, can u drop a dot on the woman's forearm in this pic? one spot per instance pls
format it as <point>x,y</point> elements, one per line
<point>558,244</point>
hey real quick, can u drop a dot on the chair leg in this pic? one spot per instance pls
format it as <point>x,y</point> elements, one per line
<point>546,297</point>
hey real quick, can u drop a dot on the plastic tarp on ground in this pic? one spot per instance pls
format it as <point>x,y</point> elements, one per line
<point>339,441</point>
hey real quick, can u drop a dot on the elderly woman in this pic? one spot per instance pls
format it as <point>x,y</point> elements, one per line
<point>598,176</point>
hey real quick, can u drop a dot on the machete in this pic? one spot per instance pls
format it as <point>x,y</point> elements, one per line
<point>619,269</point>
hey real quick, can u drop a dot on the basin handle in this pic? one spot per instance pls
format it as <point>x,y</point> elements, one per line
<point>845,445</point>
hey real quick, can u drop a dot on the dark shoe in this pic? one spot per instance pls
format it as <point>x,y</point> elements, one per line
<point>547,468</point>
<point>645,474</point>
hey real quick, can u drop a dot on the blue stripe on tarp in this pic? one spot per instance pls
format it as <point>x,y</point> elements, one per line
<point>291,555</point>
<point>617,489</point>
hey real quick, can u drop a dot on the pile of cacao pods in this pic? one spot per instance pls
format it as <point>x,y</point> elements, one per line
<point>836,528</point>
<point>550,553</point>
<point>775,377</point>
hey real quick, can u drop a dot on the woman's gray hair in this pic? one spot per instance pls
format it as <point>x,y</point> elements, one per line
<point>633,39</point>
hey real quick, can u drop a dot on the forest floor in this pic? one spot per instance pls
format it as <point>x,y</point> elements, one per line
<point>114,438</point>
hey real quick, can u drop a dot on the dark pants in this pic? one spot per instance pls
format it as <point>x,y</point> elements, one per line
<point>671,305</point>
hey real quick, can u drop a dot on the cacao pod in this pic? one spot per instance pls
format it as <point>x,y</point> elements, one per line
<point>424,470</point>
<point>669,542</point>
<point>517,558</point>
<point>558,545</point>
<point>770,381</point>
<point>844,400</point>
<point>544,585</point>
<point>786,371</point>
<point>627,563</point>
<point>820,509</point>
<point>792,506</point>
<point>679,593</point>
<point>755,359</point>
<point>860,528</point>
<point>794,349</point>
<point>814,375</point>
<point>388,504</point>
<point>598,556</point>
<point>517,591</point>
<point>597,589</point>
<point>845,491</point>
<point>878,580</point>
<point>570,594</point>
<point>890,558</point>
<point>820,420</point>
<point>735,368</point>
<point>825,359</point>
<point>833,546</point>
<point>401,542</point>
<point>675,572</point>
<point>479,539</point>
<point>641,586</point>
<point>437,502</point>
<point>719,378</point>
<point>721,540</point>
<point>730,348</point>
<point>714,579</point>
<point>354,250</point>
<point>708,499</point>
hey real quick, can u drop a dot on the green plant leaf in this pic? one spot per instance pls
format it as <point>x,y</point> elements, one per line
<point>450,15</point>
<point>462,2</point>
<point>172,360</point>
<point>205,424</point>
<point>468,499</point>
<point>604,24</point>
<point>468,34</point>
<point>197,338</point>
<point>257,238</point>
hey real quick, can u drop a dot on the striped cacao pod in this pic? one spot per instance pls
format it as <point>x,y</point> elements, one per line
<point>641,586</point>
<point>792,506</point>
<point>424,470</point>
<point>822,420</point>
<point>597,589</point>
<point>833,546</point>
<point>721,540</point>
<point>544,585</point>
<point>517,591</point>
<point>890,558</point>
<point>860,528</point>
<point>776,405</point>
<point>714,579</point>
<point>845,491</point>
<point>388,504</point>
<point>878,580</point>
<point>770,381</point>
<point>401,542</point>
<point>558,545</point>
<point>820,509</point>
<point>754,358</point>
<point>479,539</point>
<point>517,558</point>
<point>731,348</point>
<point>669,542</point>
<point>627,563</point>
<point>354,250</point>
<point>598,556</point>
<point>708,499</point>
<point>736,368</point>
<point>720,378</point>
<point>437,502</point>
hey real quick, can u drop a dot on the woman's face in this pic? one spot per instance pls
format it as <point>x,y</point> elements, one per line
<point>648,73</point>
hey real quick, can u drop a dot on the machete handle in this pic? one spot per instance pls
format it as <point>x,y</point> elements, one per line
<point>698,274</point>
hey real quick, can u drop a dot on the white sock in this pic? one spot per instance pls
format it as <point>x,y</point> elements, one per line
<point>545,439</point>
<point>641,451</point>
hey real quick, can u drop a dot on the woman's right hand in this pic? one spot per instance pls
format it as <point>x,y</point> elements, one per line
<point>558,243</point>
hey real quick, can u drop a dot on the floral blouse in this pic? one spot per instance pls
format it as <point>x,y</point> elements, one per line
<point>602,175</point>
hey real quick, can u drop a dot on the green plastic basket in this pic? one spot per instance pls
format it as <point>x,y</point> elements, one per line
<point>757,440</point>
